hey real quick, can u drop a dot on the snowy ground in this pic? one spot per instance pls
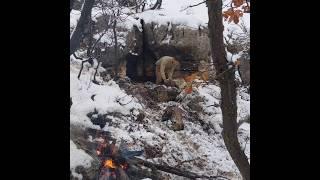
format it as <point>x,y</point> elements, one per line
<point>206,149</point>
<point>78,158</point>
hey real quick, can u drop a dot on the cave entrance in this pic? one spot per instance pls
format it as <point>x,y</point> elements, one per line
<point>141,68</point>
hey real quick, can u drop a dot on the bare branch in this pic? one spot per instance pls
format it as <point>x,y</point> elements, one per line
<point>193,5</point>
<point>172,170</point>
<point>82,67</point>
<point>94,77</point>
<point>74,54</point>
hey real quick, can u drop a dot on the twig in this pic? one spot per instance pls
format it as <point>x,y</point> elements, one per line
<point>92,97</point>
<point>94,77</point>
<point>215,105</point>
<point>74,54</point>
<point>98,40</point>
<point>82,67</point>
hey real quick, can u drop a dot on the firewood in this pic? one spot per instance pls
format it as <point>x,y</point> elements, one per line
<point>172,170</point>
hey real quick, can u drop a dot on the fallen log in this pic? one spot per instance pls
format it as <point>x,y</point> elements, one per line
<point>171,170</point>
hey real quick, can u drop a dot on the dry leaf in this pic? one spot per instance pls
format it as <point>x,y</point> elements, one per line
<point>237,3</point>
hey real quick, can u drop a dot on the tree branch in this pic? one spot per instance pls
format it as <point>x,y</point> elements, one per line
<point>193,5</point>
<point>171,170</point>
<point>74,54</point>
<point>186,161</point>
<point>82,67</point>
<point>94,76</point>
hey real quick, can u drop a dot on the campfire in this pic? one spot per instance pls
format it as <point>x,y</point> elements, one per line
<point>109,164</point>
<point>120,163</point>
<point>114,163</point>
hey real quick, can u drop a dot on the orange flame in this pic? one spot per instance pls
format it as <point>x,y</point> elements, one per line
<point>109,163</point>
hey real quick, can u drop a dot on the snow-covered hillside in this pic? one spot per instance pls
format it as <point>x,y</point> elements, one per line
<point>207,149</point>
<point>200,142</point>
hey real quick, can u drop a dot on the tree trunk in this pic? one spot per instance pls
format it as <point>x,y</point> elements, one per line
<point>83,21</point>
<point>71,5</point>
<point>228,88</point>
<point>90,36</point>
<point>115,38</point>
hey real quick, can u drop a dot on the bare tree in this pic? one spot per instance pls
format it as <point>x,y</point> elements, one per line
<point>228,88</point>
<point>77,34</point>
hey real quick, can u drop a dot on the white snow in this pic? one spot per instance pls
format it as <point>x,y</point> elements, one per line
<point>78,158</point>
<point>106,97</point>
<point>172,11</point>
<point>74,17</point>
<point>208,150</point>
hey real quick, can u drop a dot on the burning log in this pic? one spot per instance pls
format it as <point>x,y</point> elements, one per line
<point>114,163</point>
